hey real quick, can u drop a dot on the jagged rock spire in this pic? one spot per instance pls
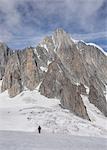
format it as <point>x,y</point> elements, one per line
<point>62,66</point>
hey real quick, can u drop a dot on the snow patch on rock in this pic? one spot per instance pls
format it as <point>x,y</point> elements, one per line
<point>43,68</point>
<point>35,50</point>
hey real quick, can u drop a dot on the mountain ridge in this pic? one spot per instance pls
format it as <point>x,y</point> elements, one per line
<point>64,67</point>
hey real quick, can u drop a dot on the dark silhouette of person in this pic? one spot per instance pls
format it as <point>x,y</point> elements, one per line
<point>39,129</point>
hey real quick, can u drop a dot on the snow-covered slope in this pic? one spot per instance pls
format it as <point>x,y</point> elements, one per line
<point>30,109</point>
<point>0,85</point>
<point>95,115</point>
<point>30,141</point>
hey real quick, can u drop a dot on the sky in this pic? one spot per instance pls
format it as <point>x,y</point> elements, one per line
<point>24,23</point>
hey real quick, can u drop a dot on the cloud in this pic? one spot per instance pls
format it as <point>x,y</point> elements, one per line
<point>98,38</point>
<point>90,36</point>
<point>22,20</point>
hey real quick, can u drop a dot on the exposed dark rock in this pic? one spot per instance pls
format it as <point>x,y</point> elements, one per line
<point>21,71</point>
<point>29,69</point>
<point>4,56</point>
<point>96,95</point>
<point>82,89</point>
<point>12,77</point>
<point>56,84</point>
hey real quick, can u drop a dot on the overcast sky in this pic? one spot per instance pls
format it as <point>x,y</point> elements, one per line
<point>26,22</point>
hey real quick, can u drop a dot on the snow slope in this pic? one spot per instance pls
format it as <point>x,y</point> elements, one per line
<point>0,85</point>
<point>30,141</point>
<point>30,109</point>
<point>97,118</point>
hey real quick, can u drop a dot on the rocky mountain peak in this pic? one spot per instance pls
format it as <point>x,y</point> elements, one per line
<point>63,67</point>
<point>62,38</point>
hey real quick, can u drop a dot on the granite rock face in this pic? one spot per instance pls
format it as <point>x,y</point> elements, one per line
<point>80,63</point>
<point>21,72</point>
<point>96,95</point>
<point>94,59</point>
<point>70,57</point>
<point>4,56</point>
<point>63,66</point>
<point>29,69</point>
<point>12,77</point>
<point>56,84</point>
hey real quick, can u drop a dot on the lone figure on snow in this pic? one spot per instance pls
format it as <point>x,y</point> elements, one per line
<point>39,129</point>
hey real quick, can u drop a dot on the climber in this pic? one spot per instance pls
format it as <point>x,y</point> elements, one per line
<point>39,129</point>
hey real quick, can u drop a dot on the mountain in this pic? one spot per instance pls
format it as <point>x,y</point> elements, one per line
<point>62,67</point>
